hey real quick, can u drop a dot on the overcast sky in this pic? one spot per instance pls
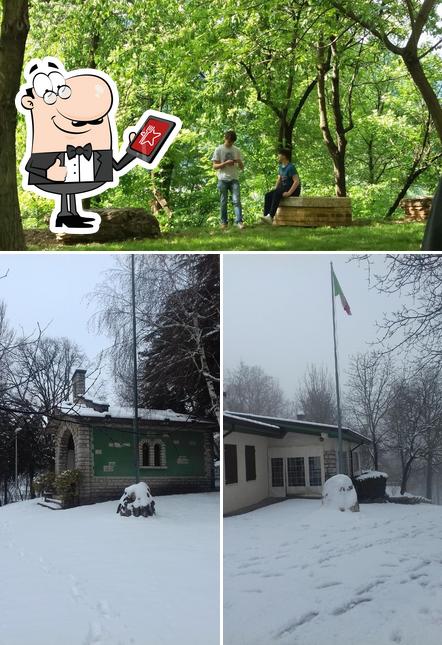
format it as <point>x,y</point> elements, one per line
<point>277,312</point>
<point>50,289</point>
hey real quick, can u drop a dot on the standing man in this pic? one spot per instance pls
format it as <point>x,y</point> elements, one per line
<point>228,162</point>
<point>287,185</point>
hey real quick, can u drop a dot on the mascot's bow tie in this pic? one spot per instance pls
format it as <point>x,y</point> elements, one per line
<point>86,151</point>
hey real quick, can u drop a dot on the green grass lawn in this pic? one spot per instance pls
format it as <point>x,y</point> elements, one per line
<point>395,236</point>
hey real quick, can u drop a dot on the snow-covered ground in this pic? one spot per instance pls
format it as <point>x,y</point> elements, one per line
<point>87,576</point>
<point>298,574</point>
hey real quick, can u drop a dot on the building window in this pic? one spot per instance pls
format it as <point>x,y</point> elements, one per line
<point>145,450</point>
<point>277,472</point>
<point>314,468</point>
<point>157,455</point>
<point>250,463</point>
<point>295,471</point>
<point>152,454</point>
<point>230,464</point>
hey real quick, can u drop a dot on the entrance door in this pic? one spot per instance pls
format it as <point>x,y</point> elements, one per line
<point>277,474</point>
<point>71,454</point>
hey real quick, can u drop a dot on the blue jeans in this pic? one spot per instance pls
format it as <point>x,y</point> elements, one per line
<point>224,186</point>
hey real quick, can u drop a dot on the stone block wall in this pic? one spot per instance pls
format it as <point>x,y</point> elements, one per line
<point>330,465</point>
<point>96,489</point>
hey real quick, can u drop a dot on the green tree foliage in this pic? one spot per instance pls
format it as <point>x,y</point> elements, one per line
<point>253,66</point>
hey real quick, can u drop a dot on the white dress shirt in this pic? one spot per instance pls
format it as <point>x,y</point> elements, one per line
<point>79,168</point>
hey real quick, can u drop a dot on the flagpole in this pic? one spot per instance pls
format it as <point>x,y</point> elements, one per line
<point>338,395</point>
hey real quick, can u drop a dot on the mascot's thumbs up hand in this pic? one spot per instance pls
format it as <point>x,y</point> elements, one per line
<point>57,172</point>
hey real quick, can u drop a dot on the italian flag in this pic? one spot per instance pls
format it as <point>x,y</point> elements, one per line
<point>337,291</point>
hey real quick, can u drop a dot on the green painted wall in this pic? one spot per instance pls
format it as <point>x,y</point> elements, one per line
<point>113,454</point>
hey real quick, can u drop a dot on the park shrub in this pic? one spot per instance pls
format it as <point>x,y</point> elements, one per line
<point>66,485</point>
<point>44,482</point>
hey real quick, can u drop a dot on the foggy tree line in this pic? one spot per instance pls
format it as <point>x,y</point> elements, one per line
<point>391,393</point>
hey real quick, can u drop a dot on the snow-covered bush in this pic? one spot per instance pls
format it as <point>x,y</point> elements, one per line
<point>66,485</point>
<point>44,483</point>
<point>136,500</point>
<point>339,493</point>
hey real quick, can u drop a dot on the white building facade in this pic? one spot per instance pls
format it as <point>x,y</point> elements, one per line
<point>267,457</point>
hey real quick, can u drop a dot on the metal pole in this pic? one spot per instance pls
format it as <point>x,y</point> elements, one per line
<point>135,374</point>
<point>16,458</point>
<point>338,396</point>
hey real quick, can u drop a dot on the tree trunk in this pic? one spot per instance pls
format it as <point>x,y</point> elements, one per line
<point>214,398</point>
<point>405,476</point>
<point>339,172</point>
<point>5,489</point>
<point>375,455</point>
<point>337,149</point>
<point>429,478</point>
<point>285,134</point>
<point>14,31</point>
<point>425,88</point>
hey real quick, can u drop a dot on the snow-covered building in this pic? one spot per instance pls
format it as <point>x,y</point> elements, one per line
<point>268,457</point>
<point>175,451</point>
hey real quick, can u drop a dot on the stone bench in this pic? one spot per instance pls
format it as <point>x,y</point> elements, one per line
<point>314,211</point>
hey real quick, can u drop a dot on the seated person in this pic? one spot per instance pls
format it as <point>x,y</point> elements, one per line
<point>287,185</point>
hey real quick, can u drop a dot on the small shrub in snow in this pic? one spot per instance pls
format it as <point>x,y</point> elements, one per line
<point>66,485</point>
<point>44,483</point>
<point>339,493</point>
<point>136,500</point>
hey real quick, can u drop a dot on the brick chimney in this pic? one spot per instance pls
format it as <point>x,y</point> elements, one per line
<point>78,384</point>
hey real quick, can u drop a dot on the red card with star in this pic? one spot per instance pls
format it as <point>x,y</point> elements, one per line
<point>151,137</point>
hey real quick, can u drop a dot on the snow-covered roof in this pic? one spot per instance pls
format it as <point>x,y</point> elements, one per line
<point>296,425</point>
<point>118,412</point>
<point>235,417</point>
<point>234,422</point>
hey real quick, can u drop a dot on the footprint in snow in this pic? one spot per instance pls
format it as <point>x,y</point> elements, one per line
<point>396,636</point>
<point>326,585</point>
<point>343,609</point>
<point>370,586</point>
<point>94,635</point>
<point>103,608</point>
<point>75,592</point>
<point>416,576</point>
<point>290,627</point>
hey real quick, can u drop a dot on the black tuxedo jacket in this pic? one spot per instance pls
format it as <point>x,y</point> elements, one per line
<point>104,165</point>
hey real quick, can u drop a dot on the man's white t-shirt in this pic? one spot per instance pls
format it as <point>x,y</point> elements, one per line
<point>224,153</point>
